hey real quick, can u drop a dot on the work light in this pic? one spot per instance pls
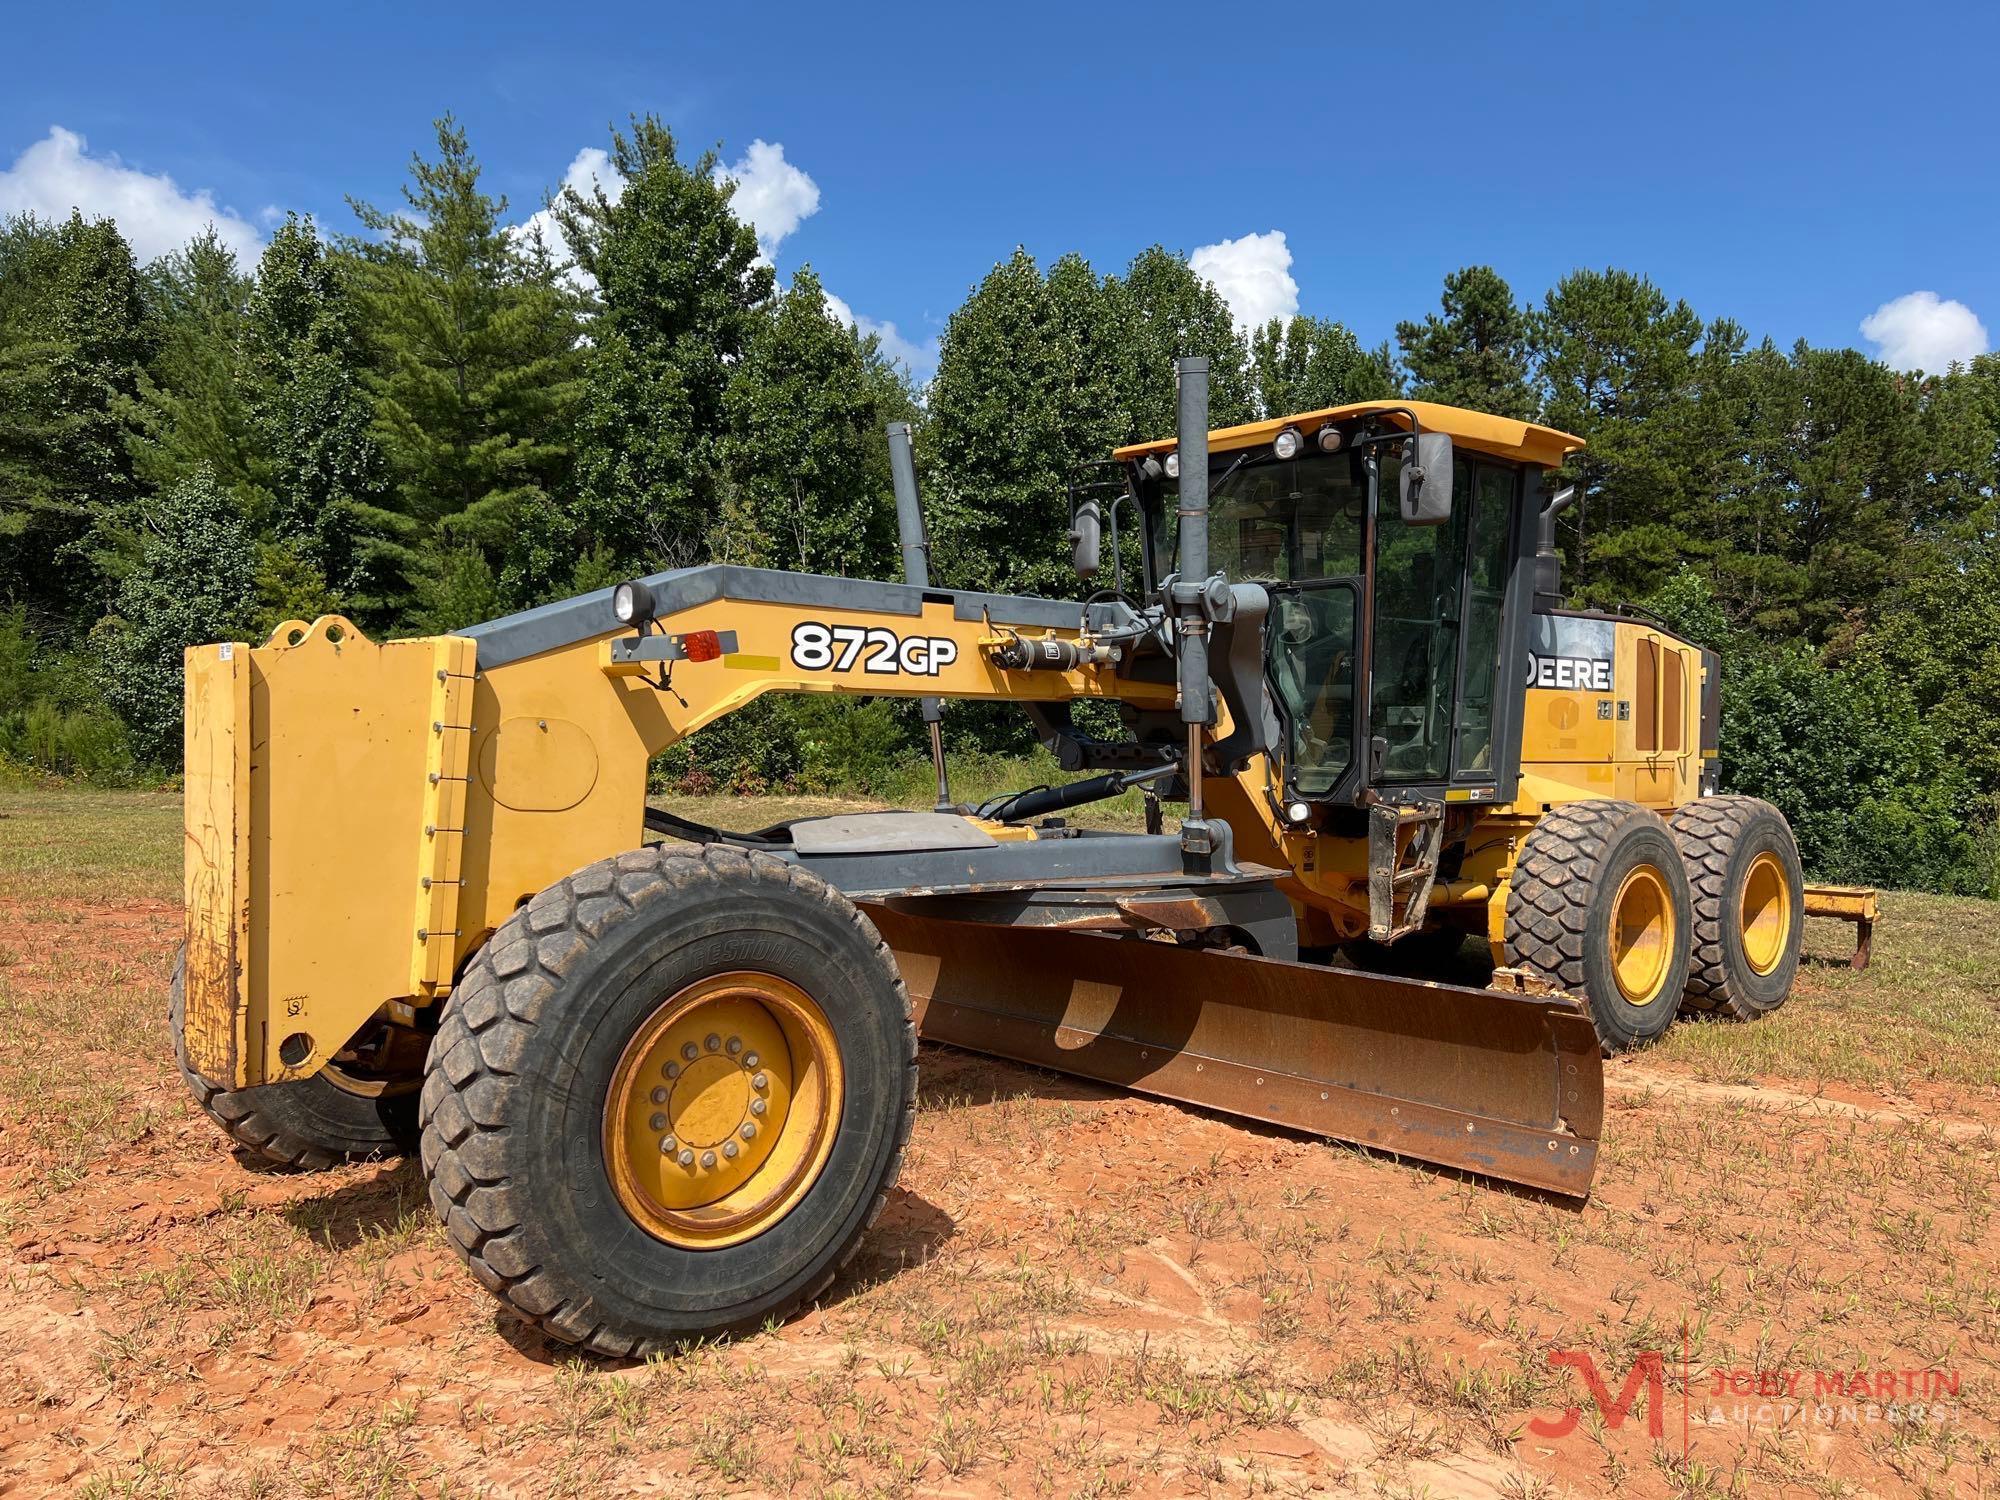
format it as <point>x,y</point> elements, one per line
<point>1173,466</point>
<point>1288,443</point>
<point>1330,438</point>
<point>632,602</point>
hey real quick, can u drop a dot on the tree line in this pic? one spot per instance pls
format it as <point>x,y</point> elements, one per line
<point>433,419</point>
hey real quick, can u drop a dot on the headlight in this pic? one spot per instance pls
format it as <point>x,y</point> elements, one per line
<point>1298,812</point>
<point>1287,443</point>
<point>632,602</point>
<point>1173,466</point>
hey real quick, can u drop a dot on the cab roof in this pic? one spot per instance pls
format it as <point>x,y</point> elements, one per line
<point>1503,437</point>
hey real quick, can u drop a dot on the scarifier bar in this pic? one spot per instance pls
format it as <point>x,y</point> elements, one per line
<point>1502,1084</point>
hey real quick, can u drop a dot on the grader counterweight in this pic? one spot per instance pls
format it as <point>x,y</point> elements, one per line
<point>660,1090</point>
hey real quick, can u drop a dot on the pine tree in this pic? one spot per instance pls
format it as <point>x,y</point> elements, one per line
<point>1305,363</point>
<point>190,411</point>
<point>326,484</point>
<point>477,354</point>
<point>1476,353</point>
<point>74,335</point>
<point>680,295</point>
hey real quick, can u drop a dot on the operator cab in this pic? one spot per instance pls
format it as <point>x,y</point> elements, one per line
<point>1394,620</point>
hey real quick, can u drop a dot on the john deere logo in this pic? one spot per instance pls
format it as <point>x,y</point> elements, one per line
<point>1584,674</point>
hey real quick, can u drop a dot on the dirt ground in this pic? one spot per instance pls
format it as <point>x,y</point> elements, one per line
<point>1073,1291</point>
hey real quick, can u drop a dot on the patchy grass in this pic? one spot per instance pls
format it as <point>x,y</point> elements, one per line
<point>1073,1291</point>
<point>1925,1010</point>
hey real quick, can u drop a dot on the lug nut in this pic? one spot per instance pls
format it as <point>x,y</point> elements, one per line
<point>760,1082</point>
<point>749,1131</point>
<point>708,1158</point>
<point>729,1149</point>
<point>735,1045</point>
<point>673,1070</point>
<point>714,1042</point>
<point>658,1122</point>
<point>690,1052</point>
<point>757,1106</point>
<point>659,1096</point>
<point>666,1145</point>
<point>749,1059</point>
<point>686,1158</point>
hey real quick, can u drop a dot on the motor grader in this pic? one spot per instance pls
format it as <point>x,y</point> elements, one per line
<point>660,1089</point>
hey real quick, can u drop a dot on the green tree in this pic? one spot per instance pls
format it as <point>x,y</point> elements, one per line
<point>1157,312</point>
<point>1474,353</point>
<point>194,581</point>
<point>1940,636</point>
<point>1023,398</point>
<point>1617,364</point>
<point>191,410</point>
<point>477,355</point>
<point>1304,363</point>
<point>805,426</point>
<point>680,295</point>
<point>325,480</point>
<point>75,332</point>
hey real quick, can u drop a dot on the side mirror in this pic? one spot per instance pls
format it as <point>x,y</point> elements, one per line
<point>1086,538</point>
<point>1426,480</point>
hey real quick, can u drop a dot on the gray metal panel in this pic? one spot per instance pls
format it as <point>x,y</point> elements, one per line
<point>1085,861</point>
<point>887,833</point>
<point>550,627</point>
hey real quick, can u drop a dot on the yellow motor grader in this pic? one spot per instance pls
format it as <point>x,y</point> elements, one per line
<point>660,1089</point>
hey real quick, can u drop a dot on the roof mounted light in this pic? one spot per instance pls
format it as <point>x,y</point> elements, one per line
<point>632,602</point>
<point>1173,465</point>
<point>1150,469</point>
<point>1330,438</point>
<point>1287,443</point>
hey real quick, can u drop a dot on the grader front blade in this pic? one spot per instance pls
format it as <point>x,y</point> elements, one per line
<point>1507,1085</point>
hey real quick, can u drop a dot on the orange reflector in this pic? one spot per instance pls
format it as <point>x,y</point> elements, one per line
<point>702,645</point>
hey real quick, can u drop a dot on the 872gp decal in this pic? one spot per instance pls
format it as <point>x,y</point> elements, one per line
<point>818,648</point>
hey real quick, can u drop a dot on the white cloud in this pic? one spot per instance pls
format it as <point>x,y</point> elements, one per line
<point>919,359</point>
<point>58,174</point>
<point>772,196</point>
<point>1921,331</point>
<point>590,168</point>
<point>1254,275</point>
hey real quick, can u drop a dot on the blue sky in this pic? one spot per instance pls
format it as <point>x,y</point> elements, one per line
<point>1796,167</point>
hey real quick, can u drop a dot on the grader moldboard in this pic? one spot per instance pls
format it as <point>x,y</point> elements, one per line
<point>661,1090</point>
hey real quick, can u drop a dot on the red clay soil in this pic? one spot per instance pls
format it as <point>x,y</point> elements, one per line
<point>1073,1291</point>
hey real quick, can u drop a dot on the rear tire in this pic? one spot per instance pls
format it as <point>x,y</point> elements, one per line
<point>310,1123</point>
<point>1599,906</point>
<point>1749,901</point>
<point>575,1179</point>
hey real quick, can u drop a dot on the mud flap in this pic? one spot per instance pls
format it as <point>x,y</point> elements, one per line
<point>1507,1085</point>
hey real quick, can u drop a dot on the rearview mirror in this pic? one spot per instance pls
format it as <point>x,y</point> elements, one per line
<point>1426,480</point>
<point>1086,539</point>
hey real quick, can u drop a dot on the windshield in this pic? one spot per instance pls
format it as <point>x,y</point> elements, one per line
<point>1272,521</point>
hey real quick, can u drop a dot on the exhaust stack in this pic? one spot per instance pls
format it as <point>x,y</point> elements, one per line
<point>1548,565</point>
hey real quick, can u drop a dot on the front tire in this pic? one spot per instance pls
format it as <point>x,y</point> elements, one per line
<point>309,1123</point>
<point>1599,906</point>
<point>1749,904</point>
<point>615,1191</point>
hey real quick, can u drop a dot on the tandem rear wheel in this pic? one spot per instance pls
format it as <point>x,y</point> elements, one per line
<point>668,1097</point>
<point>1600,906</point>
<point>340,1114</point>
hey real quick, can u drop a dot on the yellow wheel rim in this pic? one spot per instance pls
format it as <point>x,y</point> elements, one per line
<point>722,1110</point>
<point>1642,935</point>
<point>1765,917</point>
